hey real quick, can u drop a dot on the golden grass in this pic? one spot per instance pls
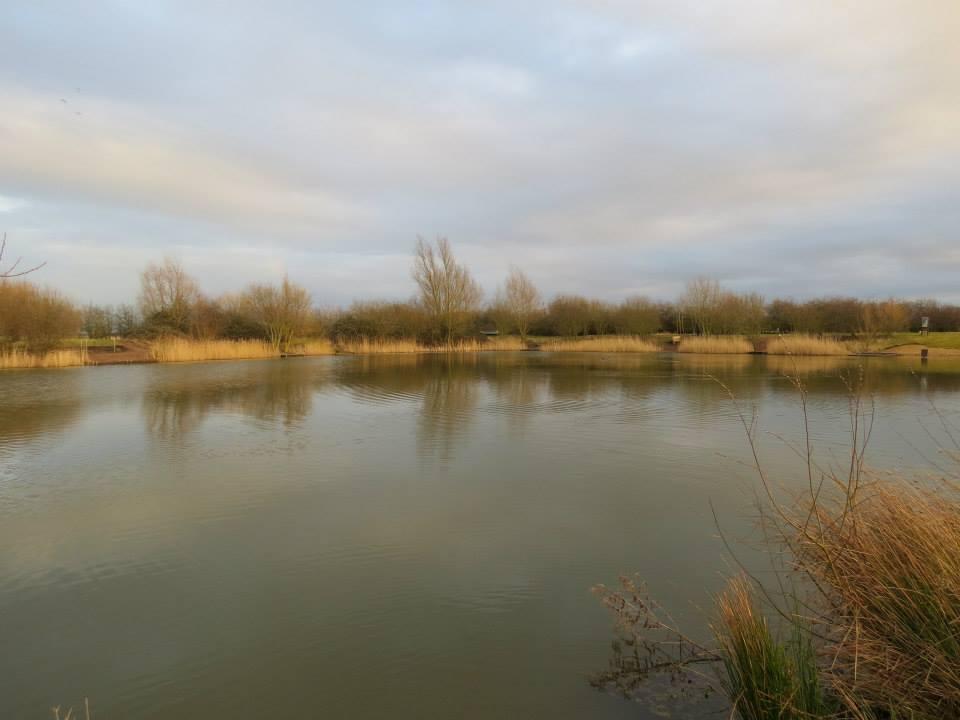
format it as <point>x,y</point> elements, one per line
<point>504,342</point>
<point>53,359</point>
<point>613,344</point>
<point>183,350</point>
<point>716,344</point>
<point>805,345</point>
<point>890,565</point>
<point>365,346</point>
<point>378,347</point>
<point>314,346</point>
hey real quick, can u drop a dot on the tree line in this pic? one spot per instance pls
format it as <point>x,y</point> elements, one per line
<point>448,305</point>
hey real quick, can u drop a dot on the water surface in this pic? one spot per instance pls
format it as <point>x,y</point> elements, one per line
<point>396,536</point>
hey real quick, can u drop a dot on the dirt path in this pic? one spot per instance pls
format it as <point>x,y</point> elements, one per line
<point>128,351</point>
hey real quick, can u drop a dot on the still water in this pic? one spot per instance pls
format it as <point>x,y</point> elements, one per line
<point>394,536</point>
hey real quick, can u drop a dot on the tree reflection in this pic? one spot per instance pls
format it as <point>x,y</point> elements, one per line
<point>39,402</point>
<point>449,403</point>
<point>177,404</point>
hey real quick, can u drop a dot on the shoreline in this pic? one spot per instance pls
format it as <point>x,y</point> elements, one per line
<point>139,354</point>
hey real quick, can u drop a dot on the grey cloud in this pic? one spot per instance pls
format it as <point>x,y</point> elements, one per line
<point>610,146</point>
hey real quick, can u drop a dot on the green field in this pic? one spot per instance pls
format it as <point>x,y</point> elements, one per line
<point>945,340</point>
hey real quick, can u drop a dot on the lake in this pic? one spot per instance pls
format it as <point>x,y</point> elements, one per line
<point>391,536</point>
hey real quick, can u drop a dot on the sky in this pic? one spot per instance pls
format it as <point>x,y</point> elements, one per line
<point>607,147</point>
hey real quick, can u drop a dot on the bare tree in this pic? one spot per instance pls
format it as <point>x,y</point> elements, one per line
<point>701,301</point>
<point>520,299</point>
<point>569,315</point>
<point>12,272</point>
<point>168,294</point>
<point>635,316</point>
<point>447,290</point>
<point>881,318</point>
<point>282,311</point>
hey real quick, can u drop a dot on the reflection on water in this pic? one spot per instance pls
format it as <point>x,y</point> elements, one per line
<point>32,405</point>
<point>404,536</point>
<point>175,404</point>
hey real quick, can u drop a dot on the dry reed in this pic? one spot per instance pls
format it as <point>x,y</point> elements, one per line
<point>716,344</point>
<point>805,345</point>
<point>313,346</point>
<point>613,344</point>
<point>889,566</point>
<point>52,359</point>
<point>507,343</point>
<point>870,597</point>
<point>184,350</point>
<point>376,347</point>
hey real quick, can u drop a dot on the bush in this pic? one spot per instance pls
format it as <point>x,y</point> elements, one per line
<point>36,317</point>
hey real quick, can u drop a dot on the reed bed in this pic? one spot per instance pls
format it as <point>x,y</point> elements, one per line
<point>612,344</point>
<point>890,565</point>
<point>184,350</point>
<point>52,359</point>
<point>365,346</point>
<point>716,345</point>
<point>377,347</point>
<point>805,345</point>
<point>507,343</point>
<point>314,346</point>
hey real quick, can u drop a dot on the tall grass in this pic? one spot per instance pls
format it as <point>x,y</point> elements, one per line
<point>868,603</point>
<point>766,678</point>
<point>52,359</point>
<point>718,344</point>
<point>890,566</point>
<point>184,350</point>
<point>376,347</point>
<point>313,346</point>
<point>611,343</point>
<point>507,343</point>
<point>805,345</point>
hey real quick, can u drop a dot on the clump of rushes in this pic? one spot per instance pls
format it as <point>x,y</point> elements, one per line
<point>764,677</point>
<point>612,343</point>
<point>185,350</point>
<point>364,346</point>
<point>868,627</point>
<point>805,345</point>
<point>52,359</point>
<point>313,346</point>
<point>716,344</point>
<point>890,568</point>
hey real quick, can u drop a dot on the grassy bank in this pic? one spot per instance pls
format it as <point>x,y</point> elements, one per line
<point>805,345</point>
<point>380,347</point>
<point>181,350</point>
<point>607,343</point>
<point>716,344</point>
<point>184,350</point>
<point>941,340</point>
<point>97,352</point>
<point>52,359</point>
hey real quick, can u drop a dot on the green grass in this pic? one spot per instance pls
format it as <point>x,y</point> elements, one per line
<point>945,340</point>
<point>764,677</point>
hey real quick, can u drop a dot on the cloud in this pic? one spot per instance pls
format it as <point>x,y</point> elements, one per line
<point>119,156</point>
<point>609,146</point>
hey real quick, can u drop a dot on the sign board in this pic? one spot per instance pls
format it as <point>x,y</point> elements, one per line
<point>924,322</point>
